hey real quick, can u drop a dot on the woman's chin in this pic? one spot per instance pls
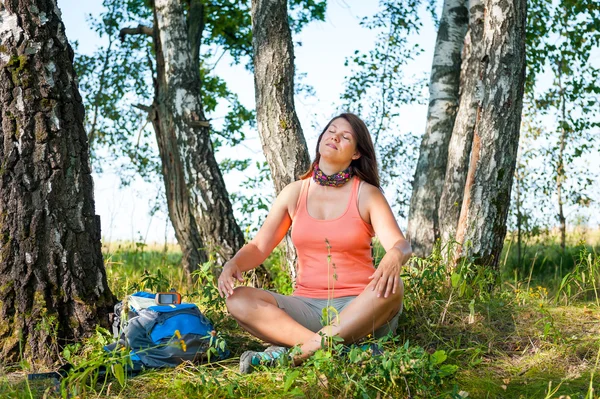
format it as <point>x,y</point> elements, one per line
<point>329,153</point>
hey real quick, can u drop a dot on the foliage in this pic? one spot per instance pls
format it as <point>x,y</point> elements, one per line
<point>132,267</point>
<point>386,367</point>
<point>111,79</point>
<point>563,117</point>
<point>542,260</point>
<point>377,88</point>
<point>254,198</point>
<point>512,342</point>
<point>583,281</point>
<point>120,74</point>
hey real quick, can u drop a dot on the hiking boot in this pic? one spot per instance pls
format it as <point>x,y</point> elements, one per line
<point>269,358</point>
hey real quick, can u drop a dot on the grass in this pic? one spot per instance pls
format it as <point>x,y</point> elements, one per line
<point>537,335</point>
<point>543,261</point>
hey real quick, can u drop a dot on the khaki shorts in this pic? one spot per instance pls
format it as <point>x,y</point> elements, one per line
<point>309,311</point>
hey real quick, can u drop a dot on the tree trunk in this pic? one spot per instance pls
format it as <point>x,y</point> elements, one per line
<point>482,224</point>
<point>279,129</point>
<point>423,226</point>
<point>198,191</point>
<point>461,141</point>
<point>178,204</point>
<point>53,287</point>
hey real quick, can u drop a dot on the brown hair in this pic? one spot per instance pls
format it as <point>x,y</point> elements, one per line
<point>364,167</point>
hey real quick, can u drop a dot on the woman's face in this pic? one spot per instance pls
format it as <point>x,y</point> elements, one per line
<point>338,143</point>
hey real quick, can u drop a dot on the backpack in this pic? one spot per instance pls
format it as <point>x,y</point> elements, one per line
<point>163,335</point>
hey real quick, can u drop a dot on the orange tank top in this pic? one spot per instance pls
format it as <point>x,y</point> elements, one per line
<point>351,263</point>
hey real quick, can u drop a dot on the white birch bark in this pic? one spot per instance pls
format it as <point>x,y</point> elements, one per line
<point>278,125</point>
<point>459,149</point>
<point>482,224</point>
<point>179,115</point>
<point>423,226</point>
<point>51,268</point>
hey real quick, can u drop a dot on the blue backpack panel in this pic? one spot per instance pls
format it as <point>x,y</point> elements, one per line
<point>162,335</point>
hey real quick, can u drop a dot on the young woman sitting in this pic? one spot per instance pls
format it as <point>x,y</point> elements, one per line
<point>334,211</point>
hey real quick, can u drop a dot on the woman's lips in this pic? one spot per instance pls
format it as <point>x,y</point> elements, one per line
<point>331,145</point>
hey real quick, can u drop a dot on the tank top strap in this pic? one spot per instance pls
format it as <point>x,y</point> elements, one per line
<point>301,202</point>
<point>353,208</point>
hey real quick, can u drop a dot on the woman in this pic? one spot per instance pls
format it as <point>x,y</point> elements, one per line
<point>334,211</point>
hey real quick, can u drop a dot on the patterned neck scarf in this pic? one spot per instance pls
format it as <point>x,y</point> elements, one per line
<point>334,180</point>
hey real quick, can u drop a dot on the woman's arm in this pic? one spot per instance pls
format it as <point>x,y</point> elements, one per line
<point>386,278</point>
<point>255,252</point>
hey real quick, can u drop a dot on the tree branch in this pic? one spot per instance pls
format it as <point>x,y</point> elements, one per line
<point>195,121</point>
<point>195,22</point>
<point>199,123</point>
<point>143,107</point>
<point>140,30</point>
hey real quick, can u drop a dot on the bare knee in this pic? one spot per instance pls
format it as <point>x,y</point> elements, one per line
<point>237,302</point>
<point>392,303</point>
<point>245,301</point>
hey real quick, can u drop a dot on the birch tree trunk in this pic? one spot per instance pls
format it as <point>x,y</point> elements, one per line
<point>279,129</point>
<point>423,226</point>
<point>482,223</point>
<point>278,126</point>
<point>197,192</point>
<point>53,287</point>
<point>459,149</point>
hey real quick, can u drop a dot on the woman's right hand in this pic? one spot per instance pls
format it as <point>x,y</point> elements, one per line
<point>226,281</point>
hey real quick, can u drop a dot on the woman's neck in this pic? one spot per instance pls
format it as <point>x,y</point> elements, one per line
<point>330,169</point>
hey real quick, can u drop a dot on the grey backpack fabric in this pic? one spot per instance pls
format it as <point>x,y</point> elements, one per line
<point>163,335</point>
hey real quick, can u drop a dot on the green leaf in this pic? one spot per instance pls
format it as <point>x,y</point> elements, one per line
<point>353,356</point>
<point>462,289</point>
<point>119,373</point>
<point>438,357</point>
<point>67,353</point>
<point>447,369</point>
<point>455,279</point>
<point>289,380</point>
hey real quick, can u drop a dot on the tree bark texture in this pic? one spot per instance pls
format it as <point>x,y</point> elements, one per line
<point>278,126</point>
<point>423,226</point>
<point>198,191</point>
<point>279,129</point>
<point>53,287</point>
<point>181,213</point>
<point>459,148</point>
<point>482,223</point>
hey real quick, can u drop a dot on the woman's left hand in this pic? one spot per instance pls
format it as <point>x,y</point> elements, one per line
<point>386,278</point>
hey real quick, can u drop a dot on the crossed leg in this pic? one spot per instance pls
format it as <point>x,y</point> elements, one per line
<point>257,312</point>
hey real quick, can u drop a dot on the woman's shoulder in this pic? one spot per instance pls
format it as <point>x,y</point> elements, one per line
<point>368,188</point>
<point>291,192</point>
<point>292,188</point>
<point>290,195</point>
<point>369,195</point>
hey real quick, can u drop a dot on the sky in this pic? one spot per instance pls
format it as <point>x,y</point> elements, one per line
<point>125,212</point>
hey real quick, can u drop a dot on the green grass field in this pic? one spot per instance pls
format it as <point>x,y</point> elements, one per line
<point>536,335</point>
